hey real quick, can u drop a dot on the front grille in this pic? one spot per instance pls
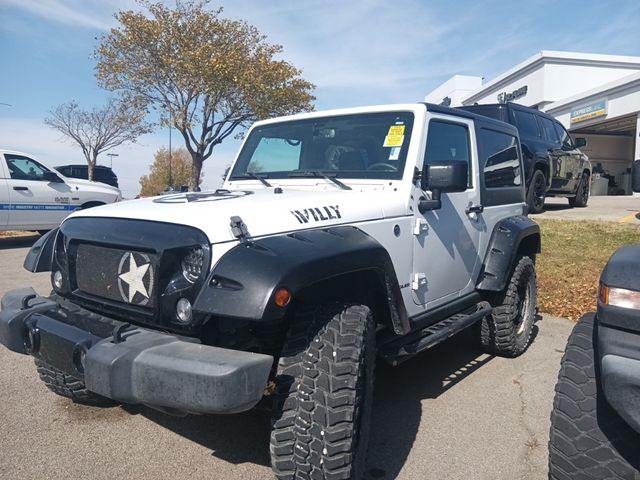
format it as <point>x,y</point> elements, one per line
<point>130,270</point>
<point>125,276</point>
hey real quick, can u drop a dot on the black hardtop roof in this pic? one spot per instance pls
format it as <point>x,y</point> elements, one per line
<point>80,165</point>
<point>477,118</point>
<point>508,105</point>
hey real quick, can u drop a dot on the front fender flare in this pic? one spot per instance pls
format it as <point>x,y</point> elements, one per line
<point>243,282</point>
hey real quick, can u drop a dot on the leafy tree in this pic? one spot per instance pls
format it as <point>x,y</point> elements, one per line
<point>158,178</point>
<point>101,129</point>
<point>208,76</point>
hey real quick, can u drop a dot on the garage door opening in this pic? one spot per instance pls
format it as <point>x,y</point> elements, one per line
<point>610,147</point>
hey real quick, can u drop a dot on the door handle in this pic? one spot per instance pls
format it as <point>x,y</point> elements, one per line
<point>474,209</point>
<point>21,189</point>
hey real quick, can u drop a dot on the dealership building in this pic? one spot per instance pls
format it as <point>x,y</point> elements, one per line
<point>593,96</point>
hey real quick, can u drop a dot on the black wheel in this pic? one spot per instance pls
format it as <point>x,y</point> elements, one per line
<point>537,192</point>
<point>582,194</point>
<point>507,331</point>
<point>588,439</point>
<point>70,387</point>
<point>324,393</point>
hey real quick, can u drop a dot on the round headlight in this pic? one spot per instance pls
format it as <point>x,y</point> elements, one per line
<point>183,310</point>
<point>57,279</point>
<point>192,264</point>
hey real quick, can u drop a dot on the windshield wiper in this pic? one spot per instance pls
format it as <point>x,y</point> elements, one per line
<point>253,175</point>
<point>319,174</point>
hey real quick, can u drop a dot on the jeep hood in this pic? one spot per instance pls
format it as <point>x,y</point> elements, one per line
<point>263,211</point>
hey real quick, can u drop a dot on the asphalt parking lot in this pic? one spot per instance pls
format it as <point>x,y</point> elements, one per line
<point>451,413</point>
<point>620,209</point>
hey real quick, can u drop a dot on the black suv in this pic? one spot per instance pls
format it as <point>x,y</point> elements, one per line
<point>554,167</point>
<point>595,423</point>
<point>100,173</point>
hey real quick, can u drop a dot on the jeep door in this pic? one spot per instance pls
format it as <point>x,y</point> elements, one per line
<point>446,259</point>
<point>35,203</point>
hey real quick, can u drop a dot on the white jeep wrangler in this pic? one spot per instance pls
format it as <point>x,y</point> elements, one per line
<point>338,237</point>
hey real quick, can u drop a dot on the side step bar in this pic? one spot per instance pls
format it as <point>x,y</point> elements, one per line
<point>403,348</point>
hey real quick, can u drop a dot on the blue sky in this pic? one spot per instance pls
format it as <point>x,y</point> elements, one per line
<point>357,53</point>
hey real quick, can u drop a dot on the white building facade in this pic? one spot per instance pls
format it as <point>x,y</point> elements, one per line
<point>593,96</point>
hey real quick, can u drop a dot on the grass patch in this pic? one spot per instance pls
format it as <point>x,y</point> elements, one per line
<point>16,233</point>
<point>573,255</point>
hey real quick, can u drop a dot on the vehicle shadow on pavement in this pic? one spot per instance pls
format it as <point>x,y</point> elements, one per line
<point>397,412</point>
<point>237,439</point>
<point>7,243</point>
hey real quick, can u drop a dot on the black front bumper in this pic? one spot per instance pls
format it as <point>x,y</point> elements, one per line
<point>135,366</point>
<point>619,361</point>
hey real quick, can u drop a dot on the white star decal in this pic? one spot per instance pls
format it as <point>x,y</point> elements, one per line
<point>133,278</point>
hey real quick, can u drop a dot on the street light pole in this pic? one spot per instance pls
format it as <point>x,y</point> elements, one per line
<point>170,122</point>
<point>111,155</point>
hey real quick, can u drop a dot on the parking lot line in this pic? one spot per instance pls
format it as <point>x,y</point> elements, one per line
<point>629,217</point>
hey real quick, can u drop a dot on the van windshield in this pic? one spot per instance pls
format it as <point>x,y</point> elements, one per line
<point>371,145</point>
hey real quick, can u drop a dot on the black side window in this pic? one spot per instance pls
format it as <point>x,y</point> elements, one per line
<point>502,164</point>
<point>448,142</point>
<point>526,123</point>
<point>549,131</point>
<point>565,139</point>
<point>24,168</point>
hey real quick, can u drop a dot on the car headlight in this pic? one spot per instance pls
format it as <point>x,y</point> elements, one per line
<point>619,297</point>
<point>192,264</point>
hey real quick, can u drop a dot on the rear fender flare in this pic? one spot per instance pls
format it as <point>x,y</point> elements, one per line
<point>511,236</point>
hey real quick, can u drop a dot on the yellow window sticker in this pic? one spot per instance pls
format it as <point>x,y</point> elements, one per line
<point>393,140</point>
<point>395,130</point>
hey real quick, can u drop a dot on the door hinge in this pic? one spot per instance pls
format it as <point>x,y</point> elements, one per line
<point>420,226</point>
<point>419,280</point>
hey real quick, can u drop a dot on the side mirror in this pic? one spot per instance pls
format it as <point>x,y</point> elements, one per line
<point>52,177</point>
<point>580,142</point>
<point>635,176</point>
<point>442,177</point>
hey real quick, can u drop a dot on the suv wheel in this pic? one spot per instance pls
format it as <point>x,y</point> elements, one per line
<point>582,193</point>
<point>585,430</point>
<point>323,396</point>
<point>507,330</point>
<point>537,192</point>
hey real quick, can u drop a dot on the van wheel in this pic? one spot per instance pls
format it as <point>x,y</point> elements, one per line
<point>537,192</point>
<point>507,330</point>
<point>582,194</point>
<point>324,392</point>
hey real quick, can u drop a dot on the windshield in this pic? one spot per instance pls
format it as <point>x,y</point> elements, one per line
<point>371,145</point>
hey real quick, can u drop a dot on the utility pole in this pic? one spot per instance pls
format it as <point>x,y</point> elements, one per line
<point>170,122</point>
<point>111,155</point>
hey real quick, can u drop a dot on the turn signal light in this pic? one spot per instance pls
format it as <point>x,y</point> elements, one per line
<point>282,297</point>
<point>619,297</point>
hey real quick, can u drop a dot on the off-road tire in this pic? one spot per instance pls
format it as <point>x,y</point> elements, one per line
<point>507,330</point>
<point>70,387</point>
<point>537,192</point>
<point>582,193</point>
<point>585,430</point>
<point>324,393</point>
